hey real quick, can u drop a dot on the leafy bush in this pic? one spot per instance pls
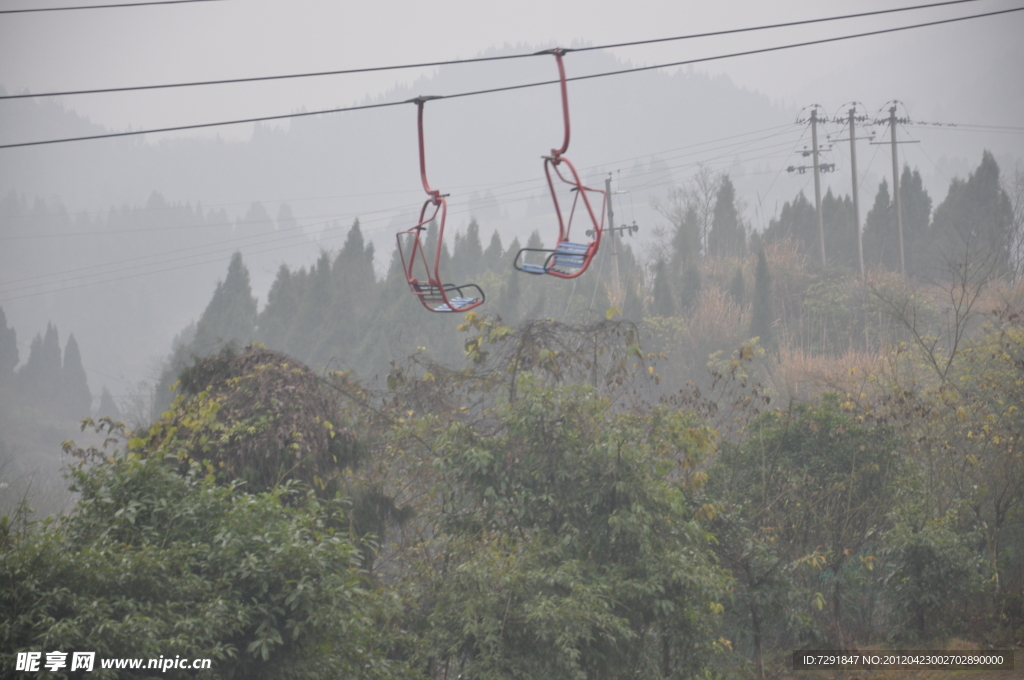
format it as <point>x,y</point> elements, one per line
<point>154,562</point>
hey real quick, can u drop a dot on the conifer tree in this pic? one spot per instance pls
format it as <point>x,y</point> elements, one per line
<point>664,303</point>
<point>975,220</point>
<point>285,219</point>
<point>467,256</point>
<point>511,298</point>
<point>308,324</point>
<point>881,239</point>
<point>8,353</point>
<point>727,237</point>
<point>797,222</point>
<point>108,408</point>
<point>736,287</point>
<point>840,236</point>
<point>40,377</point>
<point>689,288</point>
<point>686,241</point>
<point>534,241</point>
<point>762,316</point>
<point>231,314</point>
<point>75,396</point>
<point>282,304</point>
<point>917,211</point>
<point>493,255</point>
<point>881,247</point>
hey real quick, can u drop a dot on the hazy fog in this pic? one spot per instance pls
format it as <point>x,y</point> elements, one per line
<point>126,282</point>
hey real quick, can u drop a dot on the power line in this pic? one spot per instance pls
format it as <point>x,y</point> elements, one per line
<point>285,237</point>
<point>508,88</point>
<point>114,6</point>
<point>292,200</point>
<point>452,62</point>
<point>969,127</point>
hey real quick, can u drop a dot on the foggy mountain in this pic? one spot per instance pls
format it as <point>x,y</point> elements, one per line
<point>126,238</point>
<point>185,205</point>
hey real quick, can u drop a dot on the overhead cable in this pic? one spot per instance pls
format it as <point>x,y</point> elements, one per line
<point>508,88</point>
<point>111,6</point>
<point>371,69</point>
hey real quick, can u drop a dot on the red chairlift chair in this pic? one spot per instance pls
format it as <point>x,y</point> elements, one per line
<point>568,259</point>
<point>435,295</point>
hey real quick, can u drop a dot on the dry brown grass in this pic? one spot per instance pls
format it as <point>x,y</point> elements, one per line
<point>795,374</point>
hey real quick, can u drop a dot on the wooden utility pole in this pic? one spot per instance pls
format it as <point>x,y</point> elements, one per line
<point>896,188</point>
<point>617,298</point>
<point>817,185</point>
<point>856,195</point>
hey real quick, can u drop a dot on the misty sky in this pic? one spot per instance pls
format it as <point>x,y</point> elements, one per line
<point>96,48</point>
<point>965,73</point>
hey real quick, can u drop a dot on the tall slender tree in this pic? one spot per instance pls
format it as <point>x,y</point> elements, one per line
<point>76,398</point>
<point>762,315</point>
<point>231,313</point>
<point>727,237</point>
<point>976,218</point>
<point>8,353</point>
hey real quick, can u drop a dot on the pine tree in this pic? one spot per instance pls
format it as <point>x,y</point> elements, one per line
<point>285,219</point>
<point>231,314</point>
<point>75,396</point>
<point>727,237</point>
<point>40,378</point>
<point>916,205</point>
<point>354,295</point>
<point>797,222</point>
<point>736,287</point>
<point>282,305</point>
<point>493,255</point>
<point>308,325</point>
<point>511,298</point>
<point>689,288</point>
<point>762,316</point>
<point>975,220</point>
<point>840,236</point>
<point>881,244</point>
<point>467,256</point>
<point>686,241</point>
<point>108,407</point>
<point>881,238</point>
<point>8,353</point>
<point>664,303</point>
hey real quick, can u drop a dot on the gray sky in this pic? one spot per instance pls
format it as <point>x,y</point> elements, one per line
<point>966,72</point>
<point>97,48</point>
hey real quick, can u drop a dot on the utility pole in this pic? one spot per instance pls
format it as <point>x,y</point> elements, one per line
<point>896,187</point>
<point>617,297</point>
<point>817,185</point>
<point>856,195</point>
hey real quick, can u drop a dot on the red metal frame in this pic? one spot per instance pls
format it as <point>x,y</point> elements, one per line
<point>567,259</point>
<point>433,294</point>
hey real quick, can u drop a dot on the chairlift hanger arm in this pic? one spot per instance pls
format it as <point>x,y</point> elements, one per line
<point>420,101</point>
<point>559,52</point>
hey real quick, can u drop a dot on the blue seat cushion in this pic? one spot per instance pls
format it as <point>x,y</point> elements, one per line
<point>457,303</point>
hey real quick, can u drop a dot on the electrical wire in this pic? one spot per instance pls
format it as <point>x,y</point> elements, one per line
<point>508,88</point>
<point>232,244</point>
<point>112,6</point>
<point>463,187</point>
<point>452,62</point>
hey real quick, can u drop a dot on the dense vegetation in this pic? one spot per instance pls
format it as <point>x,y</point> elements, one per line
<point>723,456</point>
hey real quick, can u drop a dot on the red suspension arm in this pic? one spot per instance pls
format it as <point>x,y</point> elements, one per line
<point>436,195</point>
<point>558,52</point>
